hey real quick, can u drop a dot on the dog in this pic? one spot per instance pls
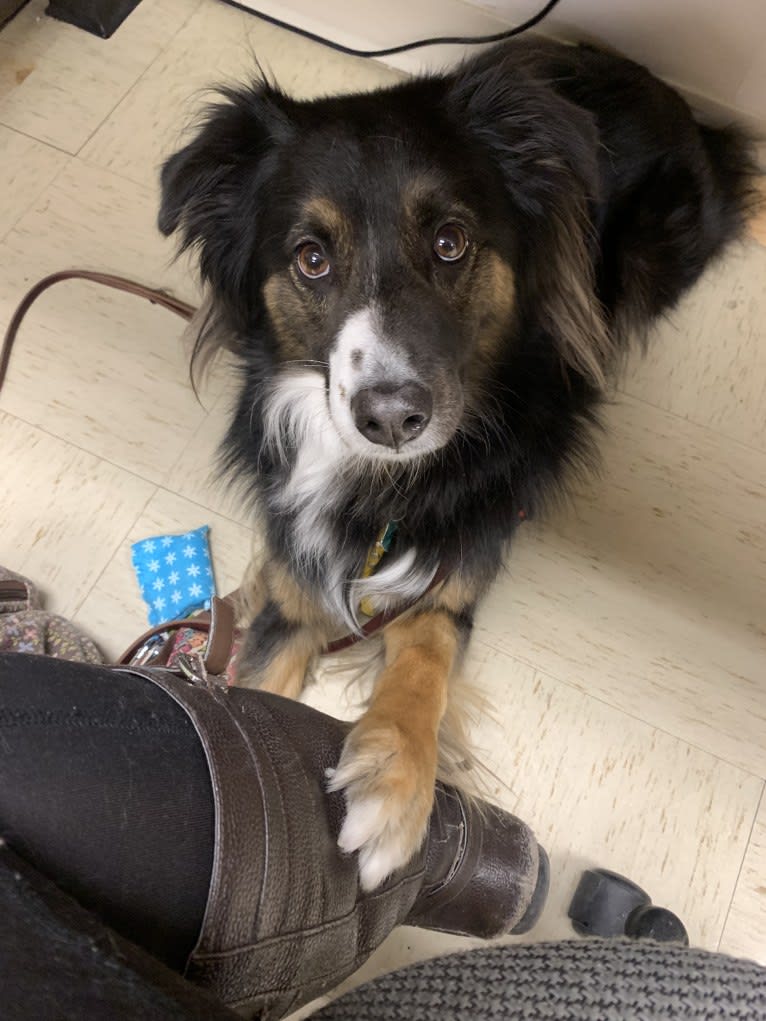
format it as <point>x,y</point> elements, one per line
<point>427,289</point>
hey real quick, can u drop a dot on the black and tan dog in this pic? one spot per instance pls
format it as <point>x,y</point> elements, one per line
<point>426,288</point>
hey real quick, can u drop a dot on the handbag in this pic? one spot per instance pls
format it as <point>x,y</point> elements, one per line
<point>26,627</point>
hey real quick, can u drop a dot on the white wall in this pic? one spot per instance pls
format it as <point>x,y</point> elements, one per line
<point>712,50</point>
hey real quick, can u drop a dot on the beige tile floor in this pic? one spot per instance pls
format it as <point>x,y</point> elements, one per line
<point>624,652</point>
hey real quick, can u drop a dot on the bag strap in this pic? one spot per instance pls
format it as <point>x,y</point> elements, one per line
<point>220,636</point>
<point>217,623</point>
<point>13,591</point>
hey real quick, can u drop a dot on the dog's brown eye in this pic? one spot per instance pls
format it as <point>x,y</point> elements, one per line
<point>450,243</point>
<point>312,261</point>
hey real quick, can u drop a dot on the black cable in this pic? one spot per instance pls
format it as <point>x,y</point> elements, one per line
<point>440,41</point>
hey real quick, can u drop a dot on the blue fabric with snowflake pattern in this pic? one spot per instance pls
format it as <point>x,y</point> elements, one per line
<point>175,574</point>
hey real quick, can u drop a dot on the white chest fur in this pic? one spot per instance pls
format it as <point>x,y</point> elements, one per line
<point>299,429</point>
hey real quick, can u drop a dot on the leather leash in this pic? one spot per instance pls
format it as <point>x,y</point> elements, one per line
<point>220,620</point>
<point>156,297</point>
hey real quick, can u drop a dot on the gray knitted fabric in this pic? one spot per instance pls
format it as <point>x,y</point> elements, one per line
<point>577,980</point>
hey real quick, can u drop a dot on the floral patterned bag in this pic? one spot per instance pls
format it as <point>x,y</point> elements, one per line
<point>26,627</point>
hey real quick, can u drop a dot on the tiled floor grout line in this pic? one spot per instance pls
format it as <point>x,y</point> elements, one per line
<point>128,471</point>
<point>690,421</point>
<point>77,446</point>
<point>34,138</point>
<point>625,712</point>
<point>203,506</point>
<point>741,866</point>
<point>135,82</point>
<point>111,170</point>
<point>193,437</point>
<point>31,204</point>
<point>115,551</point>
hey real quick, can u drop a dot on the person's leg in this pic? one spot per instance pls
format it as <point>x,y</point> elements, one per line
<point>196,821</point>
<point>92,795</point>
<point>59,962</point>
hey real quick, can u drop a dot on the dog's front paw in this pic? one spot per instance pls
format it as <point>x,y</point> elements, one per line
<point>388,776</point>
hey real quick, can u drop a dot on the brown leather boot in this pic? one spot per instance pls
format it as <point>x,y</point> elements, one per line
<point>286,920</point>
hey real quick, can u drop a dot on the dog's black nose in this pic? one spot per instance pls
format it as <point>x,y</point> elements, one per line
<point>392,416</point>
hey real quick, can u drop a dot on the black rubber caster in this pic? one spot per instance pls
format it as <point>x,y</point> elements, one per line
<point>607,904</point>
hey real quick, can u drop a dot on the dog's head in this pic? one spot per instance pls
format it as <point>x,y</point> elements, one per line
<point>397,242</point>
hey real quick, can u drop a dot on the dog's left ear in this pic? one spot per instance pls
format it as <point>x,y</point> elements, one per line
<point>546,150</point>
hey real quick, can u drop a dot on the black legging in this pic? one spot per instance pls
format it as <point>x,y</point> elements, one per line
<point>85,796</point>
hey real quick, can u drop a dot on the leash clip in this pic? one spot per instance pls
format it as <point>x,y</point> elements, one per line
<point>192,666</point>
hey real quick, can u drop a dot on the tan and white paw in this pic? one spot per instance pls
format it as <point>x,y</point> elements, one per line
<point>388,783</point>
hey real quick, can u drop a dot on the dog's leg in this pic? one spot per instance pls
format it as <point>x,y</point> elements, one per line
<point>276,653</point>
<point>388,765</point>
<point>286,634</point>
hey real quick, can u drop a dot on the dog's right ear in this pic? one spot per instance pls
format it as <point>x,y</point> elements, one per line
<point>211,189</point>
